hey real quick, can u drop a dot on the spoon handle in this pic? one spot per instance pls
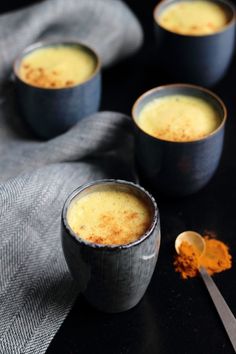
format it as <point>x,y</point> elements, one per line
<point>227,317</point>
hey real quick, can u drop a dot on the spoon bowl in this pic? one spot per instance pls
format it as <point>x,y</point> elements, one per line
<point>193,238</point>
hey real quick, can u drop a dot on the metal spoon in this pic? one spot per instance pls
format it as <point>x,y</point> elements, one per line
<point>227,317</point>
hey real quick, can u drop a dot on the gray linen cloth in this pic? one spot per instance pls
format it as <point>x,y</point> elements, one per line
<point>36,290</point>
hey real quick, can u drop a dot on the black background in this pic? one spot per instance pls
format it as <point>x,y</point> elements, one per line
<point>175,316</point>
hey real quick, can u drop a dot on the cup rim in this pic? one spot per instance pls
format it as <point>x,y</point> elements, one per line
<point>48,43</point>
<point>107,247</point>
<point>223,29</point>
<point>181,85</point>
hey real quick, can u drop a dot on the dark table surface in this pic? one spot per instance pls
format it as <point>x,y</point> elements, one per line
<point>175,316</point>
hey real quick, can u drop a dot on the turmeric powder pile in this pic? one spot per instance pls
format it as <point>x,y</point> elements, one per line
<point>215,259</point>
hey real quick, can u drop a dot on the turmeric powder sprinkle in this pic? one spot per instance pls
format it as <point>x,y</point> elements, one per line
<point>215,259</point>
<point>57,66</point>
<point>109,216</point>
<point>45,78</point>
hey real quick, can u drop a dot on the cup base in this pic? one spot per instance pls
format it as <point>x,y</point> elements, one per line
<point>110,310</point>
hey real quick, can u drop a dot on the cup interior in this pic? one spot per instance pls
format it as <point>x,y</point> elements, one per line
<point>182,89</point>
<point>39,45</point>
<point>118,185</point>
<point>225,5</point>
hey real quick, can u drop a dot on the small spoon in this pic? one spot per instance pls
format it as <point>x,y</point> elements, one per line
<point>227,317</point>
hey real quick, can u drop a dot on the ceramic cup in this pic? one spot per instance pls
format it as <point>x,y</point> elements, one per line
<point>198,59</point>
<point>178,168</point>
<point>113,278</point>
<point>52,111</point>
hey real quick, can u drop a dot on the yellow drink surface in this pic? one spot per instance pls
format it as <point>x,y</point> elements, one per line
<point>57,66</point>
<point>194,17</point>
<point>109,216</point>
<point>179,118</point>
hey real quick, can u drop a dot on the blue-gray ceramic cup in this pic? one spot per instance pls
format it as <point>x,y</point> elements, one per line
<point>113,278</point>
<point>198,59</point>
<point>178,168</point>
<point>52,111</point>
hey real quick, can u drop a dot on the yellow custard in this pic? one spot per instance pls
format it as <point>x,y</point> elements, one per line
<point>179,118</point>
<point>194,17</point>
<point>109,216</point>
<point>57,66</point>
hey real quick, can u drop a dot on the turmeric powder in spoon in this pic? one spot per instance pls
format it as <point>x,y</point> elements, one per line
<point>216,258</point>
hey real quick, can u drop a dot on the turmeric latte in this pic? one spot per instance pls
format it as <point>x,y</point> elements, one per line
<point>194,17</point>
<point>109,216</point>
<point>57,66</point>
<point>179,118</point>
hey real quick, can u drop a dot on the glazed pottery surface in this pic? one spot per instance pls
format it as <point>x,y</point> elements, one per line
<point>198,59</point>
<point>49,111</point>
<point>113,278</point>
<point>178,168</point>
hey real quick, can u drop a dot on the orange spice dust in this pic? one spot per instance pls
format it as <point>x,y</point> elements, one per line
<point>215,259</point>
<point>44,78</point>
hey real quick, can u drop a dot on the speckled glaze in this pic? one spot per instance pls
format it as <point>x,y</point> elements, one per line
<point>178,168</point>
<point>112,278</point>
<point>201,60</point>
<point>51,112</point>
